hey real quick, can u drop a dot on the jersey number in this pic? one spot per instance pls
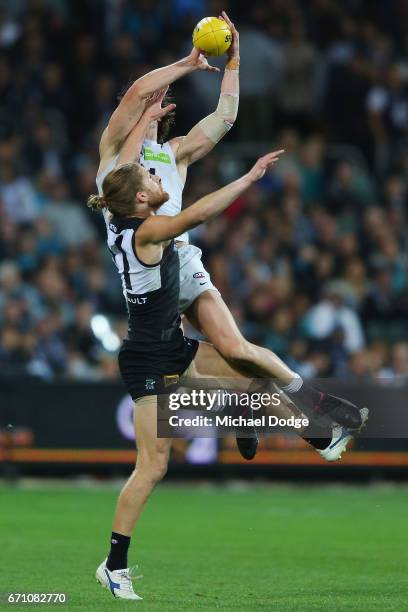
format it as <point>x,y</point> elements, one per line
<point>120,249</point>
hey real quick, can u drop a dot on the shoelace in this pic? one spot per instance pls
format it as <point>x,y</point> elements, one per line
<point>131,574</point>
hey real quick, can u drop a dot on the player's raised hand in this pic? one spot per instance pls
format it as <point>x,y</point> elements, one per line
<point>154,110</point>
<point>233,51</point>
<point>199,61</point>
<point>263,163</point>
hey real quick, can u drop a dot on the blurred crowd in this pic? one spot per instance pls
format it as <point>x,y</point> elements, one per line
<point>312,260</point>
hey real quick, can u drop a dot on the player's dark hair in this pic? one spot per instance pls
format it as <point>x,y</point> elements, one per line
<point>119,189</point>
<point>166,122</point>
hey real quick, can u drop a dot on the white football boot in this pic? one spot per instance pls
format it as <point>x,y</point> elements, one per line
<point>341,436</point>
<point>119,582</point>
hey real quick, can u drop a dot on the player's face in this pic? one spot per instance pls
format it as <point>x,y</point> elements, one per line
<point>154,189</point>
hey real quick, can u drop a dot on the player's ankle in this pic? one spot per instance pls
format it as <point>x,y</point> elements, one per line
<point>117,558</point>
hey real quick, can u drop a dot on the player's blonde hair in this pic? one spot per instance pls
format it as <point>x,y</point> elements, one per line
<point>119,189</point>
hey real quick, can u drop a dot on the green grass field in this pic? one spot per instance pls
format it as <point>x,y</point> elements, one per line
<point>205,548</point>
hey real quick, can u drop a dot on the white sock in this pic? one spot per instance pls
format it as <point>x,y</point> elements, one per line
<point>294,386</point>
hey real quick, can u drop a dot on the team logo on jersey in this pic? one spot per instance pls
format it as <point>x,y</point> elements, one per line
<point>199,275</point>
<point>150,384</point>
<point>113,227</point>
<point>171,379</point>
<point>150,155</point>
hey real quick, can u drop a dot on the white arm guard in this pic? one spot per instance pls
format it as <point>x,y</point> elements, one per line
<point>216,125</point>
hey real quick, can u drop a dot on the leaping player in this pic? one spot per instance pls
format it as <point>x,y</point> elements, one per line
<point>200,301</point>
<point>156,356</point>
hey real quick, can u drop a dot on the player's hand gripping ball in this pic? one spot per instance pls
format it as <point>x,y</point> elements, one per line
<point>212,36</point>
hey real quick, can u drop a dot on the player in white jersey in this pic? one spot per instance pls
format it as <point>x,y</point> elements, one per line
<point>171,159</point>
<point>199,300</point>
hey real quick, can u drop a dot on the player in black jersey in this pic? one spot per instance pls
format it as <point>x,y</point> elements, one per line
<point>200,302</point>
<point>156,353</point>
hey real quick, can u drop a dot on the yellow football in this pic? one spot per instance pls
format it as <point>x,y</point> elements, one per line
<point>212,36</point>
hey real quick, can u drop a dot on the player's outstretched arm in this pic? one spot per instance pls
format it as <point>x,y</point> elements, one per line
<point>131,107</point>
<point>159,228</point>
<point>209,131</point>
<point>131,149</point>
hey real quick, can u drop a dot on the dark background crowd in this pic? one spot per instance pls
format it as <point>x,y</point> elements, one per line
<point>312,260</point>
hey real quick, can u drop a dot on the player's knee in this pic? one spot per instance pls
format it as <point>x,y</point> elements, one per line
<point>160,471</point>
<point>233,349</point>
<point>158,467</point>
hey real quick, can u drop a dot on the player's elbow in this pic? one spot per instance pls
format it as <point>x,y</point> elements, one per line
<point>219,123</point>
<point>139,91</point>
<point>227,108</point>
<point>229,121</point>
<point>132,98</point>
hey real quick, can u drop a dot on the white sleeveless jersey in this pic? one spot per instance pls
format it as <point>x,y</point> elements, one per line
<point>158,159</point>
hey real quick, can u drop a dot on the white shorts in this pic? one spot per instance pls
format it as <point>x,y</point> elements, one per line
<point>194,278</point>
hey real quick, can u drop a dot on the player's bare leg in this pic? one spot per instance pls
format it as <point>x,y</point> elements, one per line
<point>153,452</point>
<point>210,315</point>
<point>330,441</point>
<point>151,466</point>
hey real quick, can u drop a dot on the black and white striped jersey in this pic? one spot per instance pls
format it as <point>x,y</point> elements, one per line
<point>151,291</point>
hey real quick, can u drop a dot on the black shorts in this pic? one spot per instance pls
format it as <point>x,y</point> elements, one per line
<point>154,369</point>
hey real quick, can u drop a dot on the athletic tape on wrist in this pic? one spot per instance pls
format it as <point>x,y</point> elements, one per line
<point>216,125</point>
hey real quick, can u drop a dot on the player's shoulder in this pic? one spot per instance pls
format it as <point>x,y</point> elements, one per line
<point>143,232</point>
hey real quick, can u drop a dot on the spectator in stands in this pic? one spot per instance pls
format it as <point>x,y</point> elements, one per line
<point>330,209</point>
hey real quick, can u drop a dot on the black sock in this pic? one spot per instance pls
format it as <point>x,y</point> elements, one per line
<point>117,558</point>
<point>319,435</point>
<point>309,396</point>
<point>309,435</point>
